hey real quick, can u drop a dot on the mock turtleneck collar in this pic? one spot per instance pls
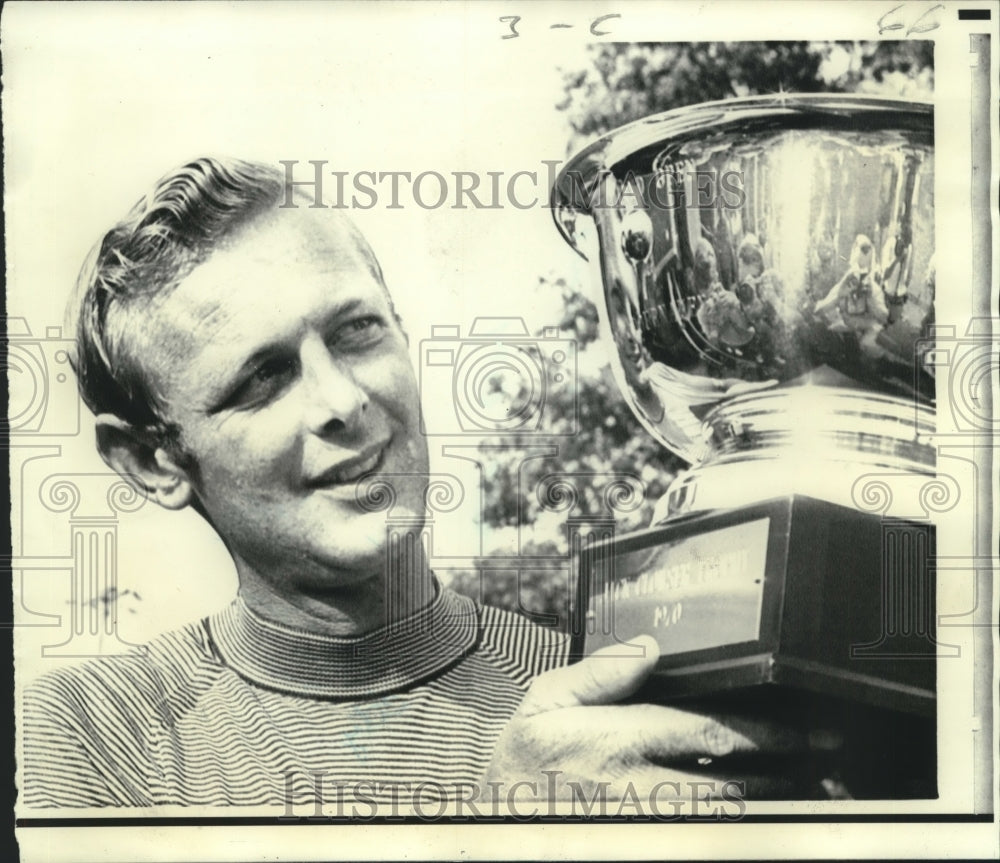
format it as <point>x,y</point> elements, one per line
<point>281,657</point>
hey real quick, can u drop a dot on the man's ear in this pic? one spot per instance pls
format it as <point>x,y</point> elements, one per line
<point>141,459</point>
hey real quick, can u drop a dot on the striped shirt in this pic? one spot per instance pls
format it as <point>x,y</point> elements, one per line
<point>236,710</point>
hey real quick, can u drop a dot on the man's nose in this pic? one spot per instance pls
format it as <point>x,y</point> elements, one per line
<point>333,399</point>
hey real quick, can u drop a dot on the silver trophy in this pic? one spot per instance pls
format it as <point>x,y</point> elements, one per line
<point>767,272</point>
<point>768,275</point>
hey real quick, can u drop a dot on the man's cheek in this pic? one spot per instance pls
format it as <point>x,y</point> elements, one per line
<point>239,473</point>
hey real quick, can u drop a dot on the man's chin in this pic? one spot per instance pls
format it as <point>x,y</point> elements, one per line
<point>377,542</point>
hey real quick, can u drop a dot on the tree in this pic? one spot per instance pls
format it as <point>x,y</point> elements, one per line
<point>628,81</point>
<point>604,466</point>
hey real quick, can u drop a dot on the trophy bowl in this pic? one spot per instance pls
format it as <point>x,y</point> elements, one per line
<point>768,285</point>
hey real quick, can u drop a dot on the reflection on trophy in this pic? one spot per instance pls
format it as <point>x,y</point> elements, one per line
<point>768,284</point>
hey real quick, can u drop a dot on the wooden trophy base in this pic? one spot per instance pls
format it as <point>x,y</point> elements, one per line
<point>796,609</point>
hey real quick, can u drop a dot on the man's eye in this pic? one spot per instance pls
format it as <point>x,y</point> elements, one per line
<point>266,381</point>
<point>273,369</point>
<point>360,332</point>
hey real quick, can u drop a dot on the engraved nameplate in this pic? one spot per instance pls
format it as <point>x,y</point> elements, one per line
<point>694,593</point>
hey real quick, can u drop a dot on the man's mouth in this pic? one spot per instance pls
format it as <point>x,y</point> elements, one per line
<point>352,470</point>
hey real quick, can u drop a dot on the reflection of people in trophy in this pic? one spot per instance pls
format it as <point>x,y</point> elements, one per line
<point>721,316</point>
<point>895,264</point>
<point>749,260</point>
<point>856,304</point>
<point>706,268</point>
<point>760,293</point>
<point>822,268</point>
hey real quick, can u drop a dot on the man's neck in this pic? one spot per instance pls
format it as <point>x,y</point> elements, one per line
<point>352,607</point>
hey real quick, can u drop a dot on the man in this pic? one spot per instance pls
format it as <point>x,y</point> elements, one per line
<point>244,358</point>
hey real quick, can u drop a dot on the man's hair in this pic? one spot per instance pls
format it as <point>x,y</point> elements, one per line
<point>138,263</point>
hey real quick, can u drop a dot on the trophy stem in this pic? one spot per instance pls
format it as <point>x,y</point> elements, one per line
<point>822,442</point>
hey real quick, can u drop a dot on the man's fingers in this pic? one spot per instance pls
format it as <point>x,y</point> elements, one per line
<point>679,738</point>
<point>601,678</point>
<point>671,736</point>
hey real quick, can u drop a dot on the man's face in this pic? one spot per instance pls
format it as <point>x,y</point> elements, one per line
<point>281,362</point>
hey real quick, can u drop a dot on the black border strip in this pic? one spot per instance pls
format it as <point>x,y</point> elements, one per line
<point>275,821</point>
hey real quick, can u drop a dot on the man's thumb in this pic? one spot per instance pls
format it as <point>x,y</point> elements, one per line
<point>604,677</point>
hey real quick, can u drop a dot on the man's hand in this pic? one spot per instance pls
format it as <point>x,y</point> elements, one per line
<point>570,723</point>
